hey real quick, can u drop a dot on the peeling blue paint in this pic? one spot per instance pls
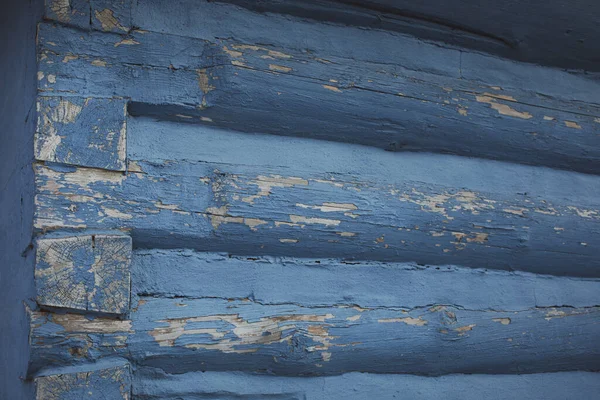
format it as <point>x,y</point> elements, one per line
<point>520,116</point>
<point>359,386</point>
<point>271,176</point>
<point>77,131</point>
<point>84,272</point>
<point>181,335</point>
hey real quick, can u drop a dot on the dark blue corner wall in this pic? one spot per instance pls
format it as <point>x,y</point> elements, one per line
<point>18,21</point>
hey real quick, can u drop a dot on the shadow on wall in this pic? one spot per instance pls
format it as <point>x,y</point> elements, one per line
<point>17,116</point>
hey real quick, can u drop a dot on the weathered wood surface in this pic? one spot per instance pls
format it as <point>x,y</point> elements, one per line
<point>97,384</point>
<point>270,195</point>
<point>423,98</point>
<point>198,311</point>
<point>384,230</point>
<point>319,282</point>
<point>72,12</point>
<point>82,131</point>
<point>181,335</point>
<point>152,384</point>
<point>557,33</point>
<point>84,272</point>
<point>560,33</point>
<point>103,15</point>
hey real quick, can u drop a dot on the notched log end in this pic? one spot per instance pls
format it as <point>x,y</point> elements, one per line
<point>84,272</point>
<point>81,131</point>
<point>110,383</point>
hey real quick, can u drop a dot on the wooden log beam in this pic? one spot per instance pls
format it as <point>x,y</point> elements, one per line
<point>436,99</point>
<point>369,284</point>
<point>559,33</point>
<point>330,317</point>
<point>272,195</point>
<point>151,384</point>
<point>182,335</point>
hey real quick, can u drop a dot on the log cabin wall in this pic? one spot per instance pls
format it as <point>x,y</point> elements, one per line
<point>263,200</point>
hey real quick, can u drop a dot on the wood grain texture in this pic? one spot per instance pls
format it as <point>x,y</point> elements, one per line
<point>151,384</point>
<point>318,282</point>
<point>111,383</point>
<point>111,15</point>
<point>84,272</point>
<point>557,33</point>
<point>426,99</point>
<point>182,335</point>
<point>82,131</point>
<point>294,199</point>
<point>322,199</point>
<point>71,12</point>
<point>197,311</point>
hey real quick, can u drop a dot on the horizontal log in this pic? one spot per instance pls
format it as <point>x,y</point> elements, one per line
<point>458,23</point>
<point>307,198</point>
<point>154,384</point>
<point>182,18</point>
<point>318,282</point>
<point>84,272</point>
<point>534,115</point>
<point>182,335</point>
<point>288,317</point>
<point>350,45</point>
<point>542,35</point>
<point>110,15</point>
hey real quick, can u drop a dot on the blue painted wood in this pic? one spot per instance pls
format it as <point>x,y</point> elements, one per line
<point>84,272</point>
<point>369,284</point>
<point>154,384</point>
<point>110,15</point>
<point>509,111</point>
<point>304,197</point>
<point>184,334</point>
<point>103,15</point>
<point>110,383</point>
<point>72,12</point>
<point>82,131</point>
<point>378,293</point>
<point>206,311</point>
<point>556,33</point>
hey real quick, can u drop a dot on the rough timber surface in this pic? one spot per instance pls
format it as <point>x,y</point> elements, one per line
<point>424,98</point>
<point>304,220</point>
<point>98,384</point>
<point>180,335</point>
<point>153,384</point>
<point>318,282</point>
<point>84,272</point>
<point>82,131</point>
<point>328,317</point>
<point>558,32</point>
<point>301,197</point>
